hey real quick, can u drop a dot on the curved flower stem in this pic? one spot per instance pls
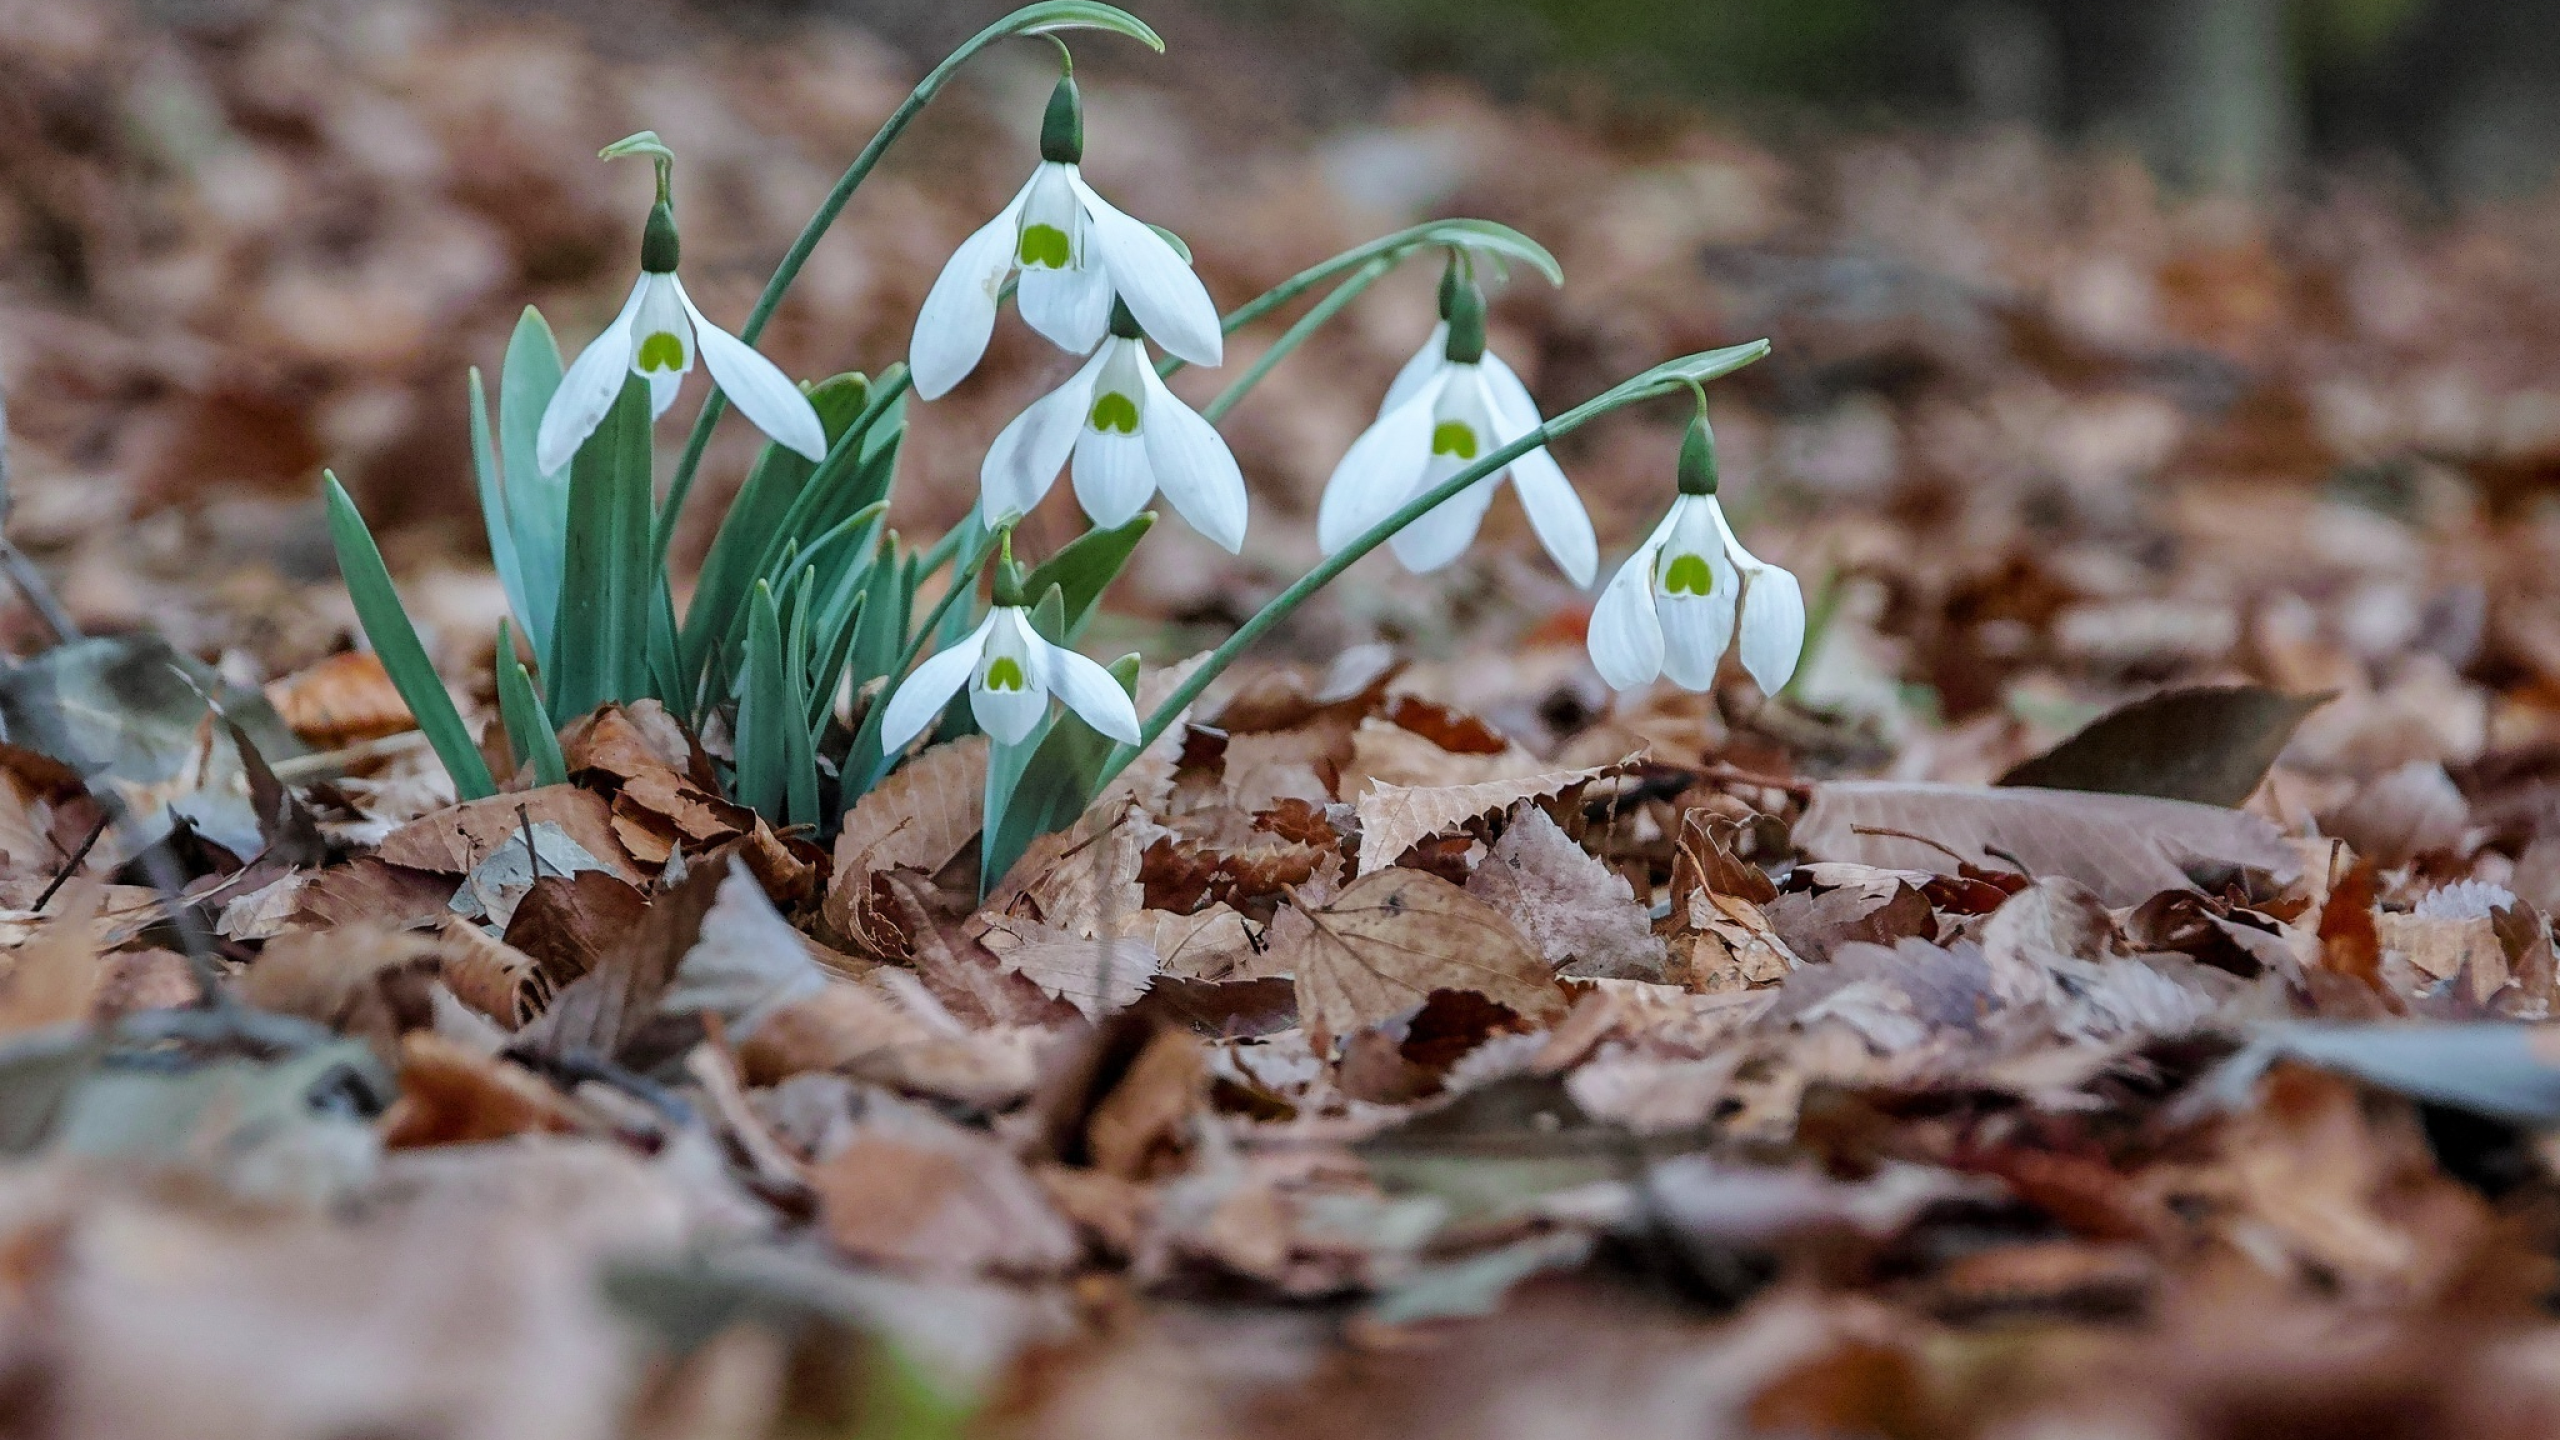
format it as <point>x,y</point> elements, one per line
<point>1665,379</point>
<point>1031,19</point>
<point>1308,324</point>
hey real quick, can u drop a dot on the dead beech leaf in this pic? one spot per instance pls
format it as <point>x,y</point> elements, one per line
<point>452,1095</point>
<point>491,976</point>
<point>1385,753</point>
<point>1209,944</point>
<point>1394,817</point>
<point>854,1029</point>
<point>2210,744</point>
<point>454,841</point>
<point>1581,915</point>
<point>1390,939</point>
<point>922,816</point>
<point>2400,815</point>
<point>2125,847</point>
<point>342,699</point>
<point>1097,976</point>
<point>925,1195</point>
<point>54,978</point>
<point>569,922</point>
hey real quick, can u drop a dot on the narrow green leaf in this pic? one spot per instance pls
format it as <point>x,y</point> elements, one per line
<point>606,589</point>
<point>1085,567</point>
<point>1055,15</point>
<point>493,502</point>
<point>529,727</point>
<point>777,766</point>
<point>537,504</point>
<point>755,518</point>
<point>404,659</point>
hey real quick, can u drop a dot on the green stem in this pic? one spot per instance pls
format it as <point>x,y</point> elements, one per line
<point>825,218</point>
<point>1669,378</point>
<point>1296,335</point>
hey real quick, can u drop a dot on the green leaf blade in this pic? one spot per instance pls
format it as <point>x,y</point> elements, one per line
<point>395,641</point>
<point>607,589</point>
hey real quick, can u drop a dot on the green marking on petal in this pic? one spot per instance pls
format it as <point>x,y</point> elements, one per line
<point>1005,674</point>
<point>1114,411</point>
<point>1044,245</point>
<point>660,350</point>
<point>1454,437</point>
<point>1689,575</point>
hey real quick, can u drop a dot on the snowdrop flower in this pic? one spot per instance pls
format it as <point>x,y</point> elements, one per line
<point>1452,404</point>
<point>1670,609</point>
<point>656,337</point>
<point>1129,436</point>
<point>1075,253</point>
<point>1011,672</point>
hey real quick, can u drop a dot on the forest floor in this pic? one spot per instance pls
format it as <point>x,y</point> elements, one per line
<point>2108,992</point>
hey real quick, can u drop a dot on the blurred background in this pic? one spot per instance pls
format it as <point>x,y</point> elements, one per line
<point>2116,344</point>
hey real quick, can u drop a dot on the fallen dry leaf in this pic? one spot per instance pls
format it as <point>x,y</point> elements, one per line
<point>1580,914</point>
<point>342,699</point>
<point>1388,940</point>
<point>455,841</point>
<point>1393,818</point>
<point>1097,975</point>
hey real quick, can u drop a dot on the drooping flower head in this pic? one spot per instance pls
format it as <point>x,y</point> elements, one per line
<point>656,337</point>
<point>1010,672</point>
<point>1452,404</point>
<point>1672,608</point>
<point>1074,253</point>
<point>1129,437</point>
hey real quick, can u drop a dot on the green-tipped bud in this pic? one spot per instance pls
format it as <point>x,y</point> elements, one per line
<point>658,246</point>
<point>1465,311</point>
<point>1450,280</point>
<point>1698,456</point>
<point>1005,578</point>
<point>1062,129</point>
<point>1123,324</point>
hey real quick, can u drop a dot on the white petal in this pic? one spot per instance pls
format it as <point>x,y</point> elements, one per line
<point>1626,635</point>
<point>1028,453</point>
<point>757,387</point>
<point>587,391</point>
<point>1090,691</point>
<point>1697,628</point>
<point>1426,362</point>
<point>1008,716</point>
<point>1071,307</point>
<point>1113,479</point>
<point>1772,614</point>
<point>1193,466</point>
<point>664,385</point>
<point>1443,533</point>
<point>1772,628</point>
<point>1377,473</point>
<point>928,688</point>
<point>1169,301</point>
<point>1555,511</point>
<point>960,311</point>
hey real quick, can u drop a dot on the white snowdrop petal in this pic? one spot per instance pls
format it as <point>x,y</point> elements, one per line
<point>1377,473</point>
<point>1088,689</point>
<point>928,688</point>
<point>960,311</point>
<point>1071,308</point>
<point>1194,467</point>
<point>1010,712</point>
<point>1555,510</point>
<point>587,391</point>
<point>1426,362</point>
<point>1443,533</point>
<point>1696,629</point>
<point>1626,636</point>
<point>1169,301</point>
<point>1772,628</point>
<point>1028,453</point>
<point>1112,476</point>
<point>664,385</point>
<point>758,387</point>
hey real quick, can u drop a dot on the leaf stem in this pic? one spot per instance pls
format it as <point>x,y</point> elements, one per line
<point>1665,379</point>
<point>1314,320</point>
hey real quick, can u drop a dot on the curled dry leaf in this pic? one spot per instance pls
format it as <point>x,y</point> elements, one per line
<point>1390,939</point>
<point>1393,818</point>
<point>920,818</point>
<point>452,1095</point>
<point>491,976</point>
<point>2127,848</point>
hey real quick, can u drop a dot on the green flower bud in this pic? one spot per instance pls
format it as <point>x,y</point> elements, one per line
<point>658,247</point>
<point>1465,311</point>
<point>1123,324</point>
<point>1062,129</point>
<point>1698,456</point>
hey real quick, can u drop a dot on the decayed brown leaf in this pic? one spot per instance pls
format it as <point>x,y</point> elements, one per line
<point>1390,939</point>
<point>899,1039</point>
<point>922,1195</point>
<point>920,818</point>
<point>1097,975</point>
<point>569,922</point>
<point>1393,818</point>
<point>2125,847</point>
<point>454,841</point>
<point>344,698</point>
<point>55,978</point>
<point>453,1095</point>
<point>491,976</point>
<point>1581,915</point>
